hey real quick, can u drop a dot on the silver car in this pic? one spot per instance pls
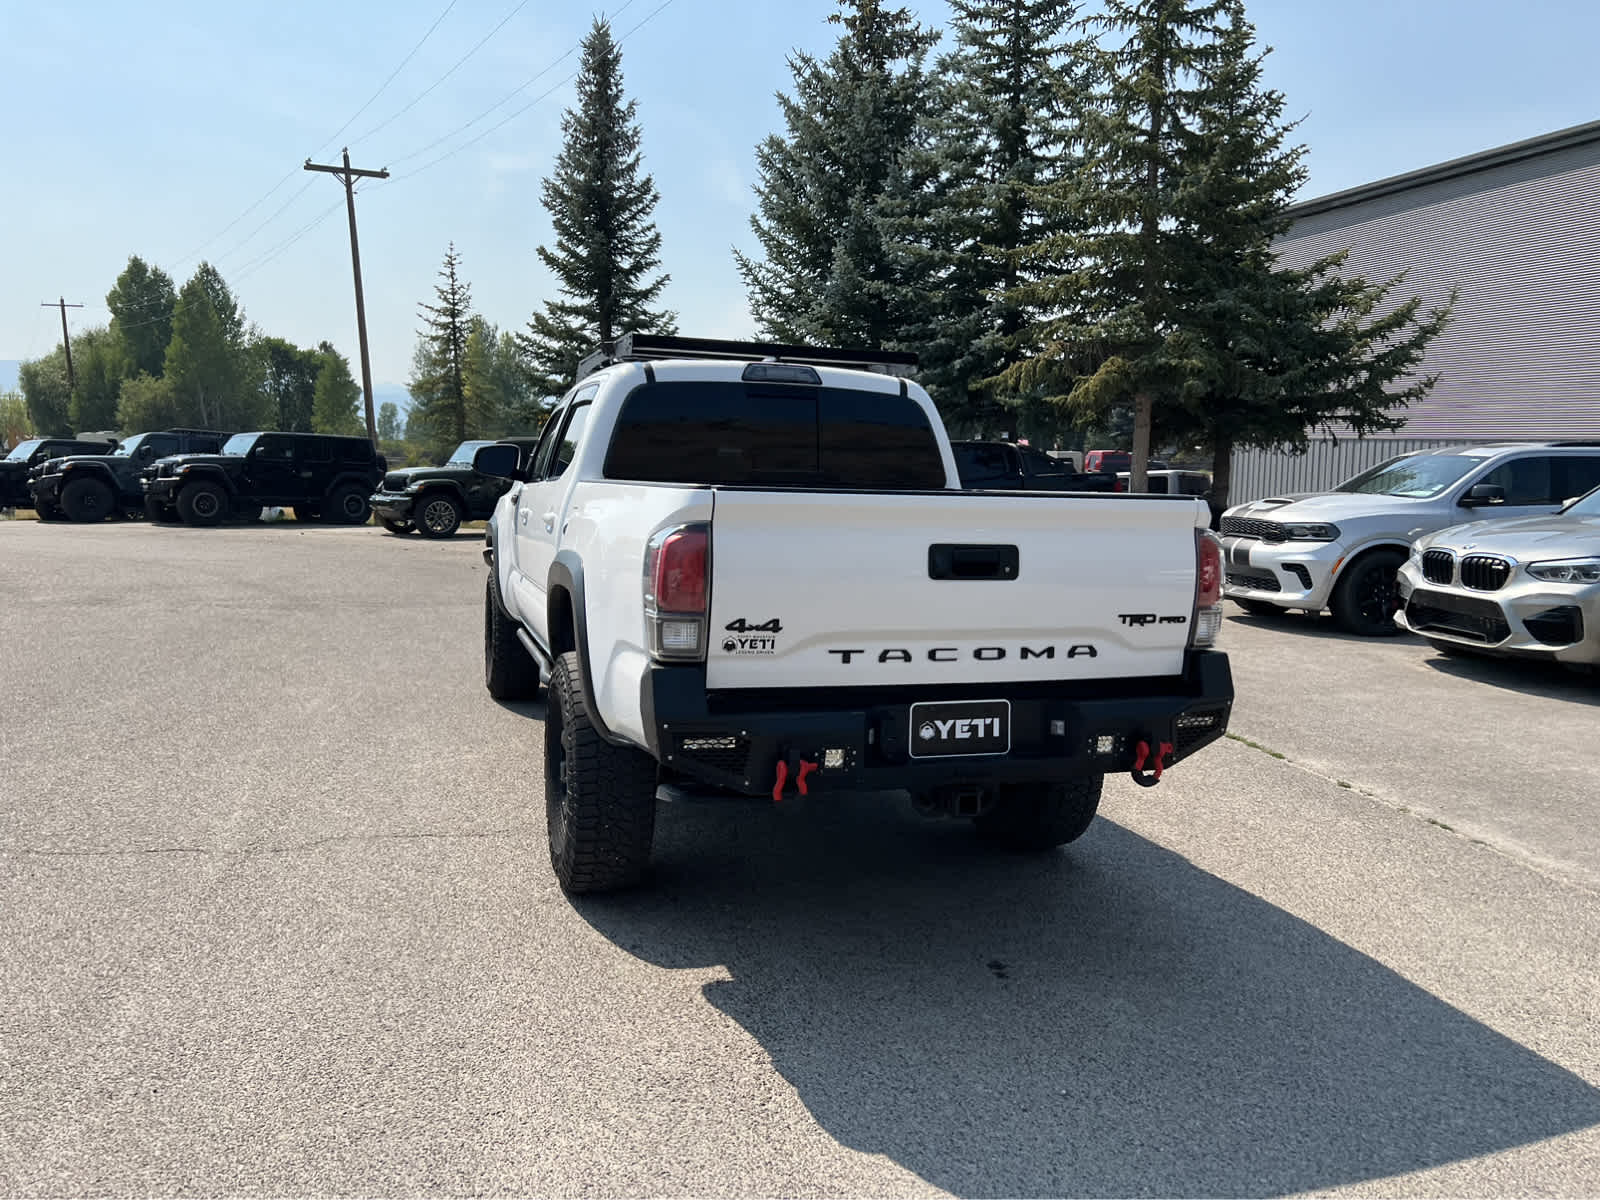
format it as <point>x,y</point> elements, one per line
<point>1341,550</point>
<point>1528,588</point>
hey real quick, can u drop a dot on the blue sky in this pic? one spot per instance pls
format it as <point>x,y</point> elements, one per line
<point>150,128</point>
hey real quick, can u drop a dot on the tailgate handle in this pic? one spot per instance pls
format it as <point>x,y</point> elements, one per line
<point>951,561</point>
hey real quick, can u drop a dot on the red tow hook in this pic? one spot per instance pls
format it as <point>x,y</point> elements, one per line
<point>1144,754</point>
<point>803,769</point>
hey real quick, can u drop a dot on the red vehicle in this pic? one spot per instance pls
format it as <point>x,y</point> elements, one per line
<point>1113,461</point>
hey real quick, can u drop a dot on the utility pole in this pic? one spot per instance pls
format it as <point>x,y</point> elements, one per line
<point>348,175</point>
<point>66,340</point>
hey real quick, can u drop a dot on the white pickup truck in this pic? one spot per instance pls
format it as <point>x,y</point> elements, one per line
<point>751,568</point>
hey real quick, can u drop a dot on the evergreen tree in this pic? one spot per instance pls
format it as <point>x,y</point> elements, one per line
<point>438,367</point>
<point>1276,353</point>
<point>335,395</point>
<point>826,274</point>
<point>1169,300</point>
<point>15,425</point>
<point>1003,119</point>
<point>142,302</point>
<point>607,249</point>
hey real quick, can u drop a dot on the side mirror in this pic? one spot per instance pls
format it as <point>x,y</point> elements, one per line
<point>1480,494</point>
<point>496,460</point>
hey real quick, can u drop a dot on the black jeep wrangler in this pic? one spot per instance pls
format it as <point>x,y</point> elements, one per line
<point>35,452</point>
<point>435,500</point>
<point>320,476</point>
<point>91,488</point>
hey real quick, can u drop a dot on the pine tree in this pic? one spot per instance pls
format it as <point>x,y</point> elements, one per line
<point>438,379</point>
<point>607,249</point>
<point>826,274</point>
<point>998,132</point>
<point>1170,299</point>
<point>1277,352</point>
<point>335,395</point>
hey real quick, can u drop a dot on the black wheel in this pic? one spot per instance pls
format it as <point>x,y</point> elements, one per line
<point>48,512</point>
<point>86,500</point>
<point>438,515</point>
<point>600,799</point>
<point>1368,594</point>
<point>347,506</point>
<point>162,514</point>
<point>303,513</point>
<point>1042,816</point>
<point>509,671</point>
<point>1261,608</point>
<point>400,527</point>
<point>203,503</point>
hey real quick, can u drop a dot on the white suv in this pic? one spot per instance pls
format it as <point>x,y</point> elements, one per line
<point>1342,550</point>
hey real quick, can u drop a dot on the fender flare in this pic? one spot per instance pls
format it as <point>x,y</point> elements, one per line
<point>350,477</point>
<point>446,485</point>
<point>566,580</point>
<point>208,473</point>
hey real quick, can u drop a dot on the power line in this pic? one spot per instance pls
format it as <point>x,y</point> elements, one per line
<point>392,74</point>
<point>382,125</point>
<point>541,96</point>
<point>270,192</point>
<point>504,100</point>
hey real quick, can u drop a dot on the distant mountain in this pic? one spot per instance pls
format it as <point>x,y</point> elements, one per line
<point>394,392</point>
<point>8,374</point>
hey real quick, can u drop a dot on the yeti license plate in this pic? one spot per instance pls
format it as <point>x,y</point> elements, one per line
<point>960,728</point>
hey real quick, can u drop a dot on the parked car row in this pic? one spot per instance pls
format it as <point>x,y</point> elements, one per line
<point>1491,549</point>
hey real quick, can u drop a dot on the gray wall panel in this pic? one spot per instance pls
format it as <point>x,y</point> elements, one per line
<point>1521,243</point>
<point>1260,473</point>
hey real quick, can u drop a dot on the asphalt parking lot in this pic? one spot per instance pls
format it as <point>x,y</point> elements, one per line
<point>276,918</point>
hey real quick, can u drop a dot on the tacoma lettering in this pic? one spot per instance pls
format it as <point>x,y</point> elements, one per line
<point>985,654</point>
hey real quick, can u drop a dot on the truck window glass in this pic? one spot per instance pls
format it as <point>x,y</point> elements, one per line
<point>736,433</point>
<point>577,421</point>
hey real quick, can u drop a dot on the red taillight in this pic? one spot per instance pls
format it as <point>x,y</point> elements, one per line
<point>679,583</point>
<point>1208,570</point>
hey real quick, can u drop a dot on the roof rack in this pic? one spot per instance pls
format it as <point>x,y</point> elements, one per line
<point>642,347</point>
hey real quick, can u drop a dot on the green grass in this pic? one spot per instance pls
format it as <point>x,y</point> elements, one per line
<point>1267,750</point>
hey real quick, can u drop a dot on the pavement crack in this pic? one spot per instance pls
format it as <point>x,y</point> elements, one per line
<point>1514,853</point>
<point>258,851</point>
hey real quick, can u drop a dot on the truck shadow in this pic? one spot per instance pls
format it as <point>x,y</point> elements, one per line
<point>1107,1020</point>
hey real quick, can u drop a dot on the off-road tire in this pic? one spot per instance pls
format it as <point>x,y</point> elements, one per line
<point>346,505</point>
<point>400,528</point>
<point>509,671</point>
<point>307,514</point>
<point>161,514</point>
<point>87,500</point>
<point>600,799</point>
<point>46,511</point>
<point>1367,595</point>
<point>438,515</point>
<point>203,503</point>
<point>1261,608</point>
<point>1032,817</point>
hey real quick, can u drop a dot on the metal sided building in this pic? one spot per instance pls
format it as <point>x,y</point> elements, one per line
<point>1516,231</point>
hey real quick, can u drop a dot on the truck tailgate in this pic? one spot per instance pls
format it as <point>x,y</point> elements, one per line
<point>819,589</point>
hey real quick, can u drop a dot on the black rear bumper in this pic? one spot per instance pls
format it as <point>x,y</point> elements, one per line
<point>1058,731</point>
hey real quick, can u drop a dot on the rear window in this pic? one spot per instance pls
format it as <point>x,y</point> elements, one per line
<point>773,436</point>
